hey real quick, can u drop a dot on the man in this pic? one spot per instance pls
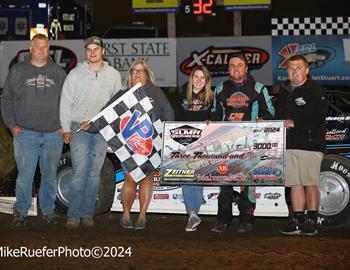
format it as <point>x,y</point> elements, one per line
<point>30,109</point>
<point>239,99</point>
<point>303,106</point>
<point>86,90</point>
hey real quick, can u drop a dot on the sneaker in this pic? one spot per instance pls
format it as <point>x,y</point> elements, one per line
<point>72,223</point>
<point>192,224</point>
<point>245,227</point>
<point>126,223</point>
<point>19,220</point>
<point>219,227</point>
<point>292,228</point>
<point>51,218</point>
<point>87,222</point>
<point>140,224</point>
<point>310,228</point>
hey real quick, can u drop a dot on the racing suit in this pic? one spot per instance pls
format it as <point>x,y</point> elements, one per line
<point>240,102</point>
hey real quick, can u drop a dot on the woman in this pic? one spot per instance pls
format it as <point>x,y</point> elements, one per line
<point>194,104</point>
<point>140,72</point>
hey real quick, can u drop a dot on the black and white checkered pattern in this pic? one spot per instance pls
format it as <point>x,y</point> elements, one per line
<point>108,123</point>
<point>310,26</point>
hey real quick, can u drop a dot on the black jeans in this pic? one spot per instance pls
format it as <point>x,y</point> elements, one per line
<point>245,206</point>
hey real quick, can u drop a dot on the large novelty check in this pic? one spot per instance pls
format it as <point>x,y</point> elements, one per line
<point>223,153</point>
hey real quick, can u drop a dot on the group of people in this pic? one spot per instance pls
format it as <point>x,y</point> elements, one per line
<point>43,108</point>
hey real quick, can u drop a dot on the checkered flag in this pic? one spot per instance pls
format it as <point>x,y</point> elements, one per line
<point>133,132</point>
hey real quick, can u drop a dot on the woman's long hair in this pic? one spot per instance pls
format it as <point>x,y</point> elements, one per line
<point>148,72</point>
<point>205,95</point>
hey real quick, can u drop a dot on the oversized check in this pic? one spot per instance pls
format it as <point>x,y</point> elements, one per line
<point>223,153</point>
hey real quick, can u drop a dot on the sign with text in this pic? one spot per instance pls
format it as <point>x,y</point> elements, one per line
<point>223,153</point>
<point>328,57</point>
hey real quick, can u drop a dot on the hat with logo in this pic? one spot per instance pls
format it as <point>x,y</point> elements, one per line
<point>94,40</point>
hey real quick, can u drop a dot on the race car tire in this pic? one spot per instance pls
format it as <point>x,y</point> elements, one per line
<point>334,183</point>
<point>106,187</point>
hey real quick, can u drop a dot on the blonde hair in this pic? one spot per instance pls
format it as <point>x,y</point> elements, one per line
<point>39,36</point>
<point>205,96</point>
<point>148,72</point>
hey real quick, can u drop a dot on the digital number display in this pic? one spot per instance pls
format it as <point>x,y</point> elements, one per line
<point>199,7</point>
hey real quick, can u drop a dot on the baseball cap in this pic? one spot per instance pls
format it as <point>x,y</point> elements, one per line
<point>94,40</point>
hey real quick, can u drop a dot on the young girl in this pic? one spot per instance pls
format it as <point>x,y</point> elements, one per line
<point>195,102</point>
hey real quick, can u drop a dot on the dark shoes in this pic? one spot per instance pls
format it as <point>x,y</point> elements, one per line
<point>295,228</point>
<point>51,218</point>
<point>245,227</point>
<point>219,227</point>
<point>19,220</point>
<point>310,228</point>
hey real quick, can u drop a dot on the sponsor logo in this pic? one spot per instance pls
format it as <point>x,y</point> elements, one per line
<point>339,167</point>
<point>272,196</point>
<point>316,56</point>
<point>213,196</point>
<point>270,158</point>
<point>222,168</point>
<point>337,134</point>
<point>265,171</point>
<point>215,59</point>
<point>185,135</point>
<point>238,100</point>
<point>178,196</point>
<point>137,134</point>
<point>62,56</point>
<point>161,196</point>
<point>300,101</point>
<point>179,173</point>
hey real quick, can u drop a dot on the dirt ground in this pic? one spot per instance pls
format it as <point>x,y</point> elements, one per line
<point>165,245</point>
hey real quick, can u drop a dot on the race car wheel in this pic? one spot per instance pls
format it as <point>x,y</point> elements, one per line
<point>334,210</point>
<point>106,188</point>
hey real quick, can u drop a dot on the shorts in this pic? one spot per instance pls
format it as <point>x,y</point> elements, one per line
<point>302,167</point>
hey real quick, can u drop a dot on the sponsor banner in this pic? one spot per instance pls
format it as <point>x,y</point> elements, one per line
<point>213,52</point>
<point>159,53</point>
<point>247,5</point>
<point>6,206</point>
<point>66,53</point>
<point>120,53</point>
<point>328,57</point>
<point>223,153</point>
<point>270,201</point>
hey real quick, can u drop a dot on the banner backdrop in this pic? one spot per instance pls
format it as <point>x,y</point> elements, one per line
<point>213,52</point>
<point>328,57</point>
<point>159,53</point>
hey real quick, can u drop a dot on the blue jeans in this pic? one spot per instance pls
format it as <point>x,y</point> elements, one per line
<point>88,152</point>
<point>193,198</point>
<point>28,148</point>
